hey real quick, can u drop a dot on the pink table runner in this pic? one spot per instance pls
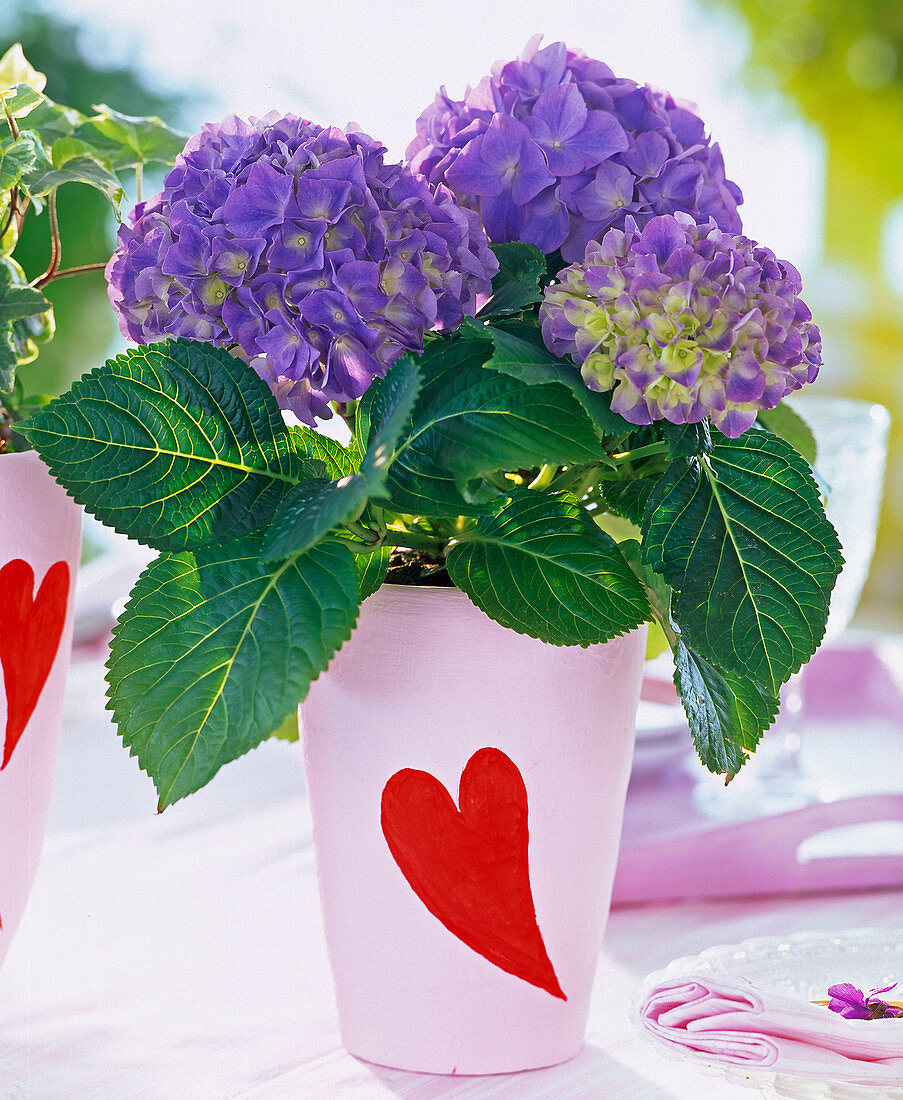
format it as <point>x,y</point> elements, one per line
<point>852,743</point>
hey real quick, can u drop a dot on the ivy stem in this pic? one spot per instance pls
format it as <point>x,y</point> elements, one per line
<point>14,192</point>
<point>67,271</point>
<point>21,211</point>
<point>659,448</point>
<point>56,248</point>
<point>13,126</point>
<point>13,210</point>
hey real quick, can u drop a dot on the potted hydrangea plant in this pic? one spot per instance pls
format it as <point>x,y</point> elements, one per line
<point>43,146</point>
<point>546,325</point>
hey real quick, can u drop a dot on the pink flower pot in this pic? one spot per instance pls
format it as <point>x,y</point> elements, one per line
<point>463,927</point>
<point>39,551</point>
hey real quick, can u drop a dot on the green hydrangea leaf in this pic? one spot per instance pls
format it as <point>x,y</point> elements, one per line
<point>727,713</point>
<point>540,565</point>
<point>311,510</point>
<point>516,285</point>
<point>215,650</point>
<point>628,498</point>
<point>289,730</point>
<point>419,481</point>
<point>524,356</point>
<point>176,444</point>
<point>389,416</point>
<point>371,570</point>
<point>470,422</point>
<point>788,424</point>
<point>741,536</point>
<point>687,439</point>
<point>336,460</point>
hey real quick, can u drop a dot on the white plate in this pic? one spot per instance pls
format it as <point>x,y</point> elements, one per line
<point>802,965</point>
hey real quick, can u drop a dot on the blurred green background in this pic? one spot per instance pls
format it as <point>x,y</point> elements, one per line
<point>85,324</point>
<point>832,68</point>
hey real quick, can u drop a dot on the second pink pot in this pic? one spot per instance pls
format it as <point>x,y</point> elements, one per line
<point>39,551</point>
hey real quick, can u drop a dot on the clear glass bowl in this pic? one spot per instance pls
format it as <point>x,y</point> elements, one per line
<point>801,965</point>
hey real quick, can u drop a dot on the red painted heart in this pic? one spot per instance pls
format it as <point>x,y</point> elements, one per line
<point>29,639</point>
<point>469,867</point>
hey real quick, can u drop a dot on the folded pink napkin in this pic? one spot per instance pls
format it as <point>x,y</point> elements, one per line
<point>741,1026</point>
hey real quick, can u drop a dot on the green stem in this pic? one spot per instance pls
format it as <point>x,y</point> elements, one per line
<point>139,179</point>
<point>407,540</point>
<point>358,547</point>
<point>544,478</point>
<point>586,483</point>
<point>568,478</point>
<point>347,410</point>
<point>363,533</point>
<point>659,448</point>
<point>662,617</point>
<point>415,540</point>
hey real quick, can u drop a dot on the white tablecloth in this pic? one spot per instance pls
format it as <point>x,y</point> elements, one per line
<point>181,955</point>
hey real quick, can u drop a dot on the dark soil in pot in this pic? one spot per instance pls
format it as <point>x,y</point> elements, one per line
<point>415,567</point>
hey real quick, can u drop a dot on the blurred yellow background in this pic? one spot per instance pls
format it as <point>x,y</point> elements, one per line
<point>840,62</point>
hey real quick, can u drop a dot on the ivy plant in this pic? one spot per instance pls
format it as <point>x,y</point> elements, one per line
<point>43,147</point>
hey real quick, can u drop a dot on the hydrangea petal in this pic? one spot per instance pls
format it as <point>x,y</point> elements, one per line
<point>304,249</point>
<point>683,321</point>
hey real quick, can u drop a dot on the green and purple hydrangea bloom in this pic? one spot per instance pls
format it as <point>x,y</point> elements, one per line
<point>682,322</point>
<point>302,249</point>
<point>553,149</point>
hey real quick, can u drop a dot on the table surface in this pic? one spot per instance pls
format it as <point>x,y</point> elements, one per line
<point>181,955</point>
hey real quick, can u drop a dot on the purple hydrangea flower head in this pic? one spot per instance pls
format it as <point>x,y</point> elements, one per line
<point>300,248</point>
<point>554,149</point>
<point>853,1004</point>
<point>682,322</point>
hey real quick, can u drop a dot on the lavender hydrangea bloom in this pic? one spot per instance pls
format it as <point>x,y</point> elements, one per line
<point>554,149</point>
<point>300,248</point>
<point>683,321</point>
